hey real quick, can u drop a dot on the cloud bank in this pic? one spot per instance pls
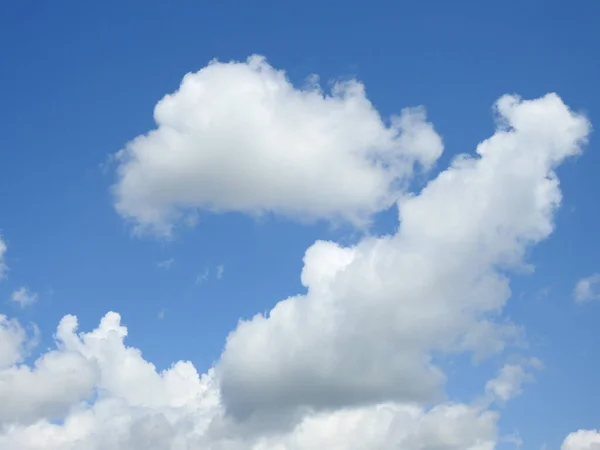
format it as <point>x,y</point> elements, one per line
<point>136,407</point>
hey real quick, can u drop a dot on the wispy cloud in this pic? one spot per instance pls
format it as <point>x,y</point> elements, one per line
<point>203,277</point>
<point>513,439</point>
<point>24,297</point>
<point>3,266</point>
<point>542,293</point>
<point>166,264</point>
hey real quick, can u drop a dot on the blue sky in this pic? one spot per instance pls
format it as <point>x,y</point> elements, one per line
<point>81,79</point>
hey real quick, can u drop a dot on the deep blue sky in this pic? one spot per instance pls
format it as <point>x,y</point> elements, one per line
<point>79,79</point>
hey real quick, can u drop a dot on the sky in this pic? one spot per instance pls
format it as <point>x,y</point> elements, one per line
<point>298,226</point>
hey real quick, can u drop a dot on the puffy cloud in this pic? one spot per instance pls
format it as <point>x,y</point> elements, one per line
<point>582,440</point>
<point>374,313</point>
<point>135,407</point>
<point>585,289</point>
<point>56,381</point>
<point>348,365</point>
<point>3,266</point>
<point>239,136</point>
<point>24,297</point>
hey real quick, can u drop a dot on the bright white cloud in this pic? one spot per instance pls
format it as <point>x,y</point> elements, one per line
<point>373,313</point>
<point>131,406</point>
<point>3,266</point>
<point>582,440</point>
<point>586,289</point>
<point>239,136</point>
<point>24,297</point>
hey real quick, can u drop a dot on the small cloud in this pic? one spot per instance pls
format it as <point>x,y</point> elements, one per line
<point>161,314</point>
<point>542,293</point>
<point>536,363</point>
<point>513,439</point>
<point>586,289</point>
<point>203,277</point>
<point>3,266</point>
<point>220,271</point>
<point>166,264</point>
<point>509,381</point>
<point>24,297</point>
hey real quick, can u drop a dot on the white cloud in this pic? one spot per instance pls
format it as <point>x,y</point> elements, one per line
<point>220,271</point>
<point>57,380</point>
<point>12,342</point>
<point>586,289</point>
<point>509,382</point>
<point>3,266</point>
<point>239,136</point>
<point>582,440</point>
<point>348,365</point>
<point>24,297</point>
<point>166,264</point>
<point>374,313</point>
<point>131,406</point>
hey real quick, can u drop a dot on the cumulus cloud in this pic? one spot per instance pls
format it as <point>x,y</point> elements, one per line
<point>350,363</point>
<point>586,289</point>
<point>582,440</point>
<point>374,313</point>
<point>24,297</point>
<point>115,399</point>
<point>3,266</point>
<point>240,137</point>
